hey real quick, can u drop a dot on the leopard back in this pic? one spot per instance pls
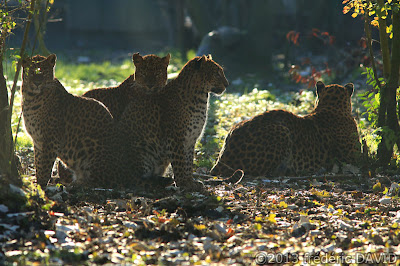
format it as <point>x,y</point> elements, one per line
<point>279,142</point>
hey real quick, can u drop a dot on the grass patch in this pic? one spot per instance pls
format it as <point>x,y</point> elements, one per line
<point>93,72</point>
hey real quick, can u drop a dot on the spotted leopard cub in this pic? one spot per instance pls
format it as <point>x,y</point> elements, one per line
<point>162,128</point>
<point>151,73</point>
<point>75,129</point>
<point>279,142</point>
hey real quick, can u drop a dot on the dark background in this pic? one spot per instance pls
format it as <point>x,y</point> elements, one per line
<point>247,34</point>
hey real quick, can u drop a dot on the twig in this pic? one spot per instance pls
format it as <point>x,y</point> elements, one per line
<point>212,180</point>
<point>203,175</point>
<point>17,130</point>
<point>342,176</point>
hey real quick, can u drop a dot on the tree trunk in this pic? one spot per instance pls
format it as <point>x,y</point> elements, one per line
<point>202,14</point>
<point>40,21</point>
<point>385,148</point>
<point>180,20</point>
<point>393,83</point>
<point>8,168</point>
<point>383,38</point>
<point>385,55</point>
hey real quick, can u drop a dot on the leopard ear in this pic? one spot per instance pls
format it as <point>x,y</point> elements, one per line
<point>209,57</point>
<point>349,88</point>
<point>166,59</point>
<point>199,61</point>
<point>202,59</point>
<point>51,59</point>
<point>320,86</point>
<point>137,59</point>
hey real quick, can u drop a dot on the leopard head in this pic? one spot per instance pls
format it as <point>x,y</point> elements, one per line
<point>151,70</point>
<point>214,77</point>
<point>334,97</point>
<point>37,70</point>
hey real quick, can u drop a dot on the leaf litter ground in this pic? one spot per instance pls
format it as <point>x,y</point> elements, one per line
<point>258,220</point>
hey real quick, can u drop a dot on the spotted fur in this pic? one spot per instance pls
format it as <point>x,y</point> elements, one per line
<point>162,128</point>
<point>279,142</point>
<point>78,130</point>
<point>150,72</point>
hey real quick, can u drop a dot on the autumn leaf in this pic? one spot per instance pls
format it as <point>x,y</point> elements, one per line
<point>200,227</point>
<point>230,232</point>
<point>283,205</point>
<point>162,220</point>
<point>258,219</point>
<point>271,218</point>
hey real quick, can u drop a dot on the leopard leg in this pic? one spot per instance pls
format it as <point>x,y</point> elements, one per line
<point>44,160</point>
<point>182,165</point>
<point>65,174</point>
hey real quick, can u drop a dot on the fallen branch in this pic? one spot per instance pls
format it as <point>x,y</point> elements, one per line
<point>213,181</point>
<point>332,176</point>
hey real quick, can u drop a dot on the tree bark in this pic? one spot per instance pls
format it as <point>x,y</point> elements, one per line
<point>393,83</point>
<point>383,38</point>
<point>40,21</point>
<point>180,17</point>
<point>385,148</point>
<point>8,170</point>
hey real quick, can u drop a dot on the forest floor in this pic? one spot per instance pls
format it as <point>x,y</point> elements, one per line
<point>350,216</point>
<point>326,219</point>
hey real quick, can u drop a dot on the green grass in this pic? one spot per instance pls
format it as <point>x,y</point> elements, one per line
<point>93,72</point>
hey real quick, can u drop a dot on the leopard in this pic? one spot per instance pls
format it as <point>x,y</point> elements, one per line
<point>75,129</point>
<point>150,71</point>
<point>79,131</point>
<point>278,142</point>
<point>162,128</point>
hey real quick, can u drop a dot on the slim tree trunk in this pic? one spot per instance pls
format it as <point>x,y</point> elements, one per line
<point>40,21</point>
<point>8,168</point>
<point>393,83</point>
<point>383,38</point>
<point>8,172</point>
<point>385,148</point>
<point>180,17</point>
<point>382,89</point>
<point>4,139</point>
